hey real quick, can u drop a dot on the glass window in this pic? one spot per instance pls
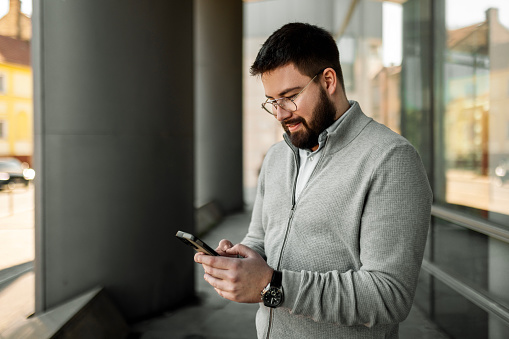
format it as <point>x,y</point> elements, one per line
<point>16,140</point>
<point>3,129</point>
<point>2,83</point>
<point>415,80</point>
<point>457,316</point>
<point>346,47</point>
<point>386,76</point>
<point>473,110</point>
<point>468,258</point>
<point>479,262</point>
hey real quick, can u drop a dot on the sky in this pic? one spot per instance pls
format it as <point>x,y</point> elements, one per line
<point>26,7</point>
<point>392,33</point>
<point>473,11</point>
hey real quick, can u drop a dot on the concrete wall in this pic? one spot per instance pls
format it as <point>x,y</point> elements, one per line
<point>218,88</point>
<point>114,151</point>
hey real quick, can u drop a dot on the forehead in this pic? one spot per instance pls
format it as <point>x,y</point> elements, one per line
<point>282,80</point>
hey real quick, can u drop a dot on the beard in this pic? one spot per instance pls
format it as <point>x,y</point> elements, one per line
<point>323,116</point>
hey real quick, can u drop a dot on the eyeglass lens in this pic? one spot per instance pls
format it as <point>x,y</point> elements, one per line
<point>284,103</point>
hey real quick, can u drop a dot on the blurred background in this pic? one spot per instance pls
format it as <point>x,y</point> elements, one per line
<point>122,122</point>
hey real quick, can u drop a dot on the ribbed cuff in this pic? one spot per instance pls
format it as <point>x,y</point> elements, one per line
<point>291,284</point>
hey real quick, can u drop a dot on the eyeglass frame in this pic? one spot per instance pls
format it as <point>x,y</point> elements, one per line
<point>274,102</point>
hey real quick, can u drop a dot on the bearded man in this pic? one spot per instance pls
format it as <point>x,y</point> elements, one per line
<point>342,211</point>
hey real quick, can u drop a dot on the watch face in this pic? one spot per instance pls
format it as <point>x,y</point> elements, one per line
<point>273,297</point>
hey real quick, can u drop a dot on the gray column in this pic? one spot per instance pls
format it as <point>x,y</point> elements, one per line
<point>218,89</point>
<point>114,151</point>
<point>498,275</point>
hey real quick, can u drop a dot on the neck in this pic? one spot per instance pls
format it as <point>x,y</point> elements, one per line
<point>342,107</point>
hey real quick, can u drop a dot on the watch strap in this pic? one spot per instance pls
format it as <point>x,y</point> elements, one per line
<point>277,279</point>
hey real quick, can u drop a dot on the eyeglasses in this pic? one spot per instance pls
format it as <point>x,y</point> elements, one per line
<point>286,103</point>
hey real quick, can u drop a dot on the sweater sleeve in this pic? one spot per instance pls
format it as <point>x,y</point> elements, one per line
<point>393,232</point>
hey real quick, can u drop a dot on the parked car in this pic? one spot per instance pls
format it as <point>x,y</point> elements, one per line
<point>14,173</point>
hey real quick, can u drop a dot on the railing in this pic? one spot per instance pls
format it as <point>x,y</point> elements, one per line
<point>489,228</point>
<point>476,296</point>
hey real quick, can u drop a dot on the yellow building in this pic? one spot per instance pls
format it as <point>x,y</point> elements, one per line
<point>16,109</point>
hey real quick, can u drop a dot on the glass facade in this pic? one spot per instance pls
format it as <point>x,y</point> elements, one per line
<point>436,71</point>
<point>473,114</point>
<point>455,109</point>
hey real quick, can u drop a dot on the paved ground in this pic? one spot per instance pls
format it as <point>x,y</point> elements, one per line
<point>214,317</point>
<point>16,227</point>
<point>16,256</point>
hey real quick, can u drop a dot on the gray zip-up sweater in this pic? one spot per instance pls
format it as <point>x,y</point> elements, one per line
<point>351,247</point>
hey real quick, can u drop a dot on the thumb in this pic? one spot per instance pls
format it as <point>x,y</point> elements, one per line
<point>224,245</point>
<point>241,250</point>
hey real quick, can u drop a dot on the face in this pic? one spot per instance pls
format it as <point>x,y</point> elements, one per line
<point>321,118</point>
<point>315,111</point>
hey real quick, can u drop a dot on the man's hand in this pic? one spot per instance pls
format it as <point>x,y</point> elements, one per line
<point>236,279</point>
<point>225,245</point>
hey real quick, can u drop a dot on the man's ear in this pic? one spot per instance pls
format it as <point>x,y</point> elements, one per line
<point>331,80</point>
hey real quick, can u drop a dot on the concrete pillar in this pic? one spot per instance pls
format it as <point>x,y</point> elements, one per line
<point>498,275</point>
<point>218,89</point>
<point>114,151</point>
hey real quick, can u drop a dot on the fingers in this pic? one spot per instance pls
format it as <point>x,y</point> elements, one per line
<point>224,263</point>
<point>217,273</point>
<point>223,288</point>
<point>213,281</point>
<point>224,245</point>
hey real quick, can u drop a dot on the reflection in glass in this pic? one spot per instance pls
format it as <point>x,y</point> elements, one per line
<point>457,316</point>
<point>468,258</point>
<point>386,82</point>
<point>476,113</point>
<point>479,262</point>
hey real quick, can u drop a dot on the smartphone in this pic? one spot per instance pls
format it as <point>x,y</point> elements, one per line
<point>196,243</point>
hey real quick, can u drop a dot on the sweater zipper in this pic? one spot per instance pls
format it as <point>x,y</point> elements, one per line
<point>271,315</point>
<point>292,210</point>
<point>318,164</point>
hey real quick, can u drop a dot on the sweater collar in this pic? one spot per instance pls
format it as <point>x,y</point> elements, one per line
<point>342,131</point>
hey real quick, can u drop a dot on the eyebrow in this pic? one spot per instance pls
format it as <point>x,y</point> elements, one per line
<point>282,94</point>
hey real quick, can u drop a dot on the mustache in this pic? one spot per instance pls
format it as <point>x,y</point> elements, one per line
<point>292,121</point>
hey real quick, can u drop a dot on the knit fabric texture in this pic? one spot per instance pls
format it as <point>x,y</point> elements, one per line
<point>351,247</point>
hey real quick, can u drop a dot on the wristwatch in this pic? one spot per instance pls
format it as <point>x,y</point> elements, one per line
<point>272,294</point>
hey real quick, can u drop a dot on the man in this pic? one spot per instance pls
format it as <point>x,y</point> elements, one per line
<point>342,210</point>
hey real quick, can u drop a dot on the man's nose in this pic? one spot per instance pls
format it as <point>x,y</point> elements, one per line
<point>282,114</point>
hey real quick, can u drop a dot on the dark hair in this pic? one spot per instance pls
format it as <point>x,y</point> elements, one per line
<point>308,47</point>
